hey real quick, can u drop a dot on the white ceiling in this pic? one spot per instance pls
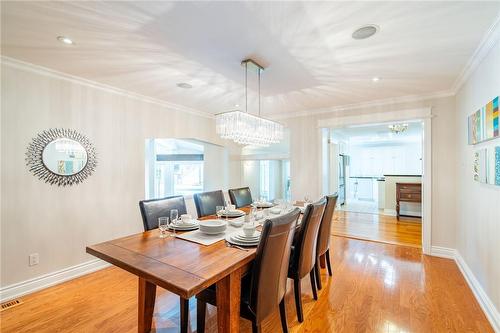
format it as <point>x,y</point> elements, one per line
<point>312,61</point>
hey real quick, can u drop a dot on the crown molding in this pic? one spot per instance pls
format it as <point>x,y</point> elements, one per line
<point>19,64</point>
<point>490,39</point>
<point>354,106</point>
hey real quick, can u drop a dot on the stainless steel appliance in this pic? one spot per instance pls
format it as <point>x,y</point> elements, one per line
<point>343,164</point>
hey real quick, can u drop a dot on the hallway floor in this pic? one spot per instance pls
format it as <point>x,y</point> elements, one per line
<point>376,227</point>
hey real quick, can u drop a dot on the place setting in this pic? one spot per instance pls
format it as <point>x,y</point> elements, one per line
<point>262,203</point>
<point>229,211</point>
<point>184,223</point>
<point>247,236</point>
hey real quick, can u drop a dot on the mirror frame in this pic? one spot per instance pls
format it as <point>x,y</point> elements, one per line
<point>34,157</point>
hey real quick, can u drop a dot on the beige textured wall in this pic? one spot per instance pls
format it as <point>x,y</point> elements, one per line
<point>478,205</point>
<point>305,158</point>
<point>59,222</point>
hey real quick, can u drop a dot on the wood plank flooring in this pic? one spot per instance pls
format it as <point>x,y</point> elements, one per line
<point>380,228</point>
<point>376,287</point>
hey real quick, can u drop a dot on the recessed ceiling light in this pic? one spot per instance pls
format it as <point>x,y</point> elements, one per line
<point>236,105</point>
<point>375,79</point>
<point>184,85</point>
<point>365,31</point>
<point>65,40</point>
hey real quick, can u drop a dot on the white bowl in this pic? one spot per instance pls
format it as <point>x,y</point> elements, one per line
<point>213,226</point>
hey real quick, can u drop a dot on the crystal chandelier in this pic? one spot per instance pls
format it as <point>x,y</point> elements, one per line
<point>245,128</point>
<point>398,128</point>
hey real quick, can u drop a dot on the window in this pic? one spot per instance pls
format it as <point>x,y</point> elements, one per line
<point>174,167</point>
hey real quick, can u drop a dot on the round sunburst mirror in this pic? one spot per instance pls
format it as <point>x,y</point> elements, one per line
<point>61,157</point>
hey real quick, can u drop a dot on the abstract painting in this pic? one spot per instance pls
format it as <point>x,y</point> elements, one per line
<point>497,165</point>
<point>481,166</point>
<point>484,123</point>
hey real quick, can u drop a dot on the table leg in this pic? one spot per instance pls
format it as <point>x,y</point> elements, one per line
<point>228,303</point>
<point>147,295</point>
<point>322,261</point>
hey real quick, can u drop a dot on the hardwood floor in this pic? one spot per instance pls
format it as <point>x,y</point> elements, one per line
<point>376,227</point>
<point>375,287</point>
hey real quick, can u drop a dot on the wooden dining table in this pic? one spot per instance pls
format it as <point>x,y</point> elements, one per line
<point>181,267</point>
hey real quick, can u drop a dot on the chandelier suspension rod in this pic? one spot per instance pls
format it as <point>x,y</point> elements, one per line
<point>246,87</point>
<point>259,91</point>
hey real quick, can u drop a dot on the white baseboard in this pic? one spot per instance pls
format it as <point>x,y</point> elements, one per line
<point>391,212</point>
<point>443,252</point>
<point>47,280</point>
<point>484,301</point>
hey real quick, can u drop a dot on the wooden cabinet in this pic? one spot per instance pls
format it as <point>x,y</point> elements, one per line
<point>407,192</point>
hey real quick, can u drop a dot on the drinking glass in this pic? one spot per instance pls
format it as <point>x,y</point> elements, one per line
<point>279,203</point>
<point>163,223</point>
<point>174,216</point>
<point>219,210</point>
<point>253,213</point>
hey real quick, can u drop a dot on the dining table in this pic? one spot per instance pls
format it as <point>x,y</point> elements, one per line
<point>181,267</point>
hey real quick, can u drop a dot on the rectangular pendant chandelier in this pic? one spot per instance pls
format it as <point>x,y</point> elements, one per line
<point>245,128</point>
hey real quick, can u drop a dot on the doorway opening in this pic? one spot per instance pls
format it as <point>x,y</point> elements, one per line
<point>377,169</point>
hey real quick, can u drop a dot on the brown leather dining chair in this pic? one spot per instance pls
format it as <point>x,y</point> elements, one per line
<point>240,197</point>
<point>323,247</point>
<point>206,202</point>
<point>303,256</point>
<point>264,288</point>
<point>151,210</point>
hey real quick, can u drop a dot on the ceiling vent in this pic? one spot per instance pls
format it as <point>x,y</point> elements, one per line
<point>365,31</point>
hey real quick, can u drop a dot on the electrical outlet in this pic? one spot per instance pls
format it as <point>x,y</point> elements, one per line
<point>34,259</point>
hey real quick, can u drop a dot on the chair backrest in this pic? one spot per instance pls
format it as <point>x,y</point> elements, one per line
<point>152,209</point>
<point>326,224</point>
<point>206,202</point>
<point>304,256</point>
<point>270,268</point>
<point>240,197</point>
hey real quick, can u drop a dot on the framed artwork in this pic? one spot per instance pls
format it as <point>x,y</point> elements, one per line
<point>486,165</point>
<point>483,124</point>
<point>497,165</point>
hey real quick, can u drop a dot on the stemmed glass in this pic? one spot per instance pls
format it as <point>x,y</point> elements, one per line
<point>253,213</point>
<point>219,210</point>
<point>174,216</point>
<point>163,223</point>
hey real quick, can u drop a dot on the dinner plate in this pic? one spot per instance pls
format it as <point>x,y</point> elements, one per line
<point>212,232</point>
<point>184,228</point>
<point>229,239</point>
<point>245,238</point>
<point>263,204</point>
<point>234,213</point>
<point>252,241</point>
<point>275,211</point>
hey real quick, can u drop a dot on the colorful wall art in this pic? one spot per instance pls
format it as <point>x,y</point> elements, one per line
<point>486,165</point>
<point>497,165</point>
<point>481,166</point>
<point>484,123</point>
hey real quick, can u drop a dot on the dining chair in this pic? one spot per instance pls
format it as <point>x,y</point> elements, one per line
<point>323,247</point>
<point>206,202</point>
<point>240,197</point>
<point>264,288</point>
<point>303,256</point>
<point>151,210</point>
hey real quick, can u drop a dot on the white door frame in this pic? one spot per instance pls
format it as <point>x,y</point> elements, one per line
<point>425,116</point>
